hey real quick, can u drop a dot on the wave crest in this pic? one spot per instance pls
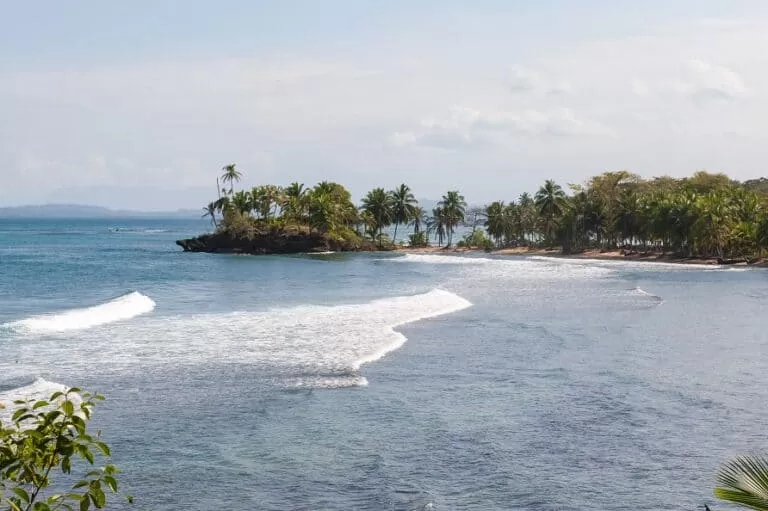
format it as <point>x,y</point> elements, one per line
<point>642,292</point>
<point>121,308</point>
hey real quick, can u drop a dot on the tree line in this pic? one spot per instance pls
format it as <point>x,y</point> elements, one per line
<point>705,215</point>
<point>327,207</point>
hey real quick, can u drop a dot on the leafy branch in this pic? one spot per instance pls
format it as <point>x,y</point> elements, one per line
<point>44,435</point>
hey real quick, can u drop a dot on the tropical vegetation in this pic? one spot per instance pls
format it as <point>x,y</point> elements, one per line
<point>327,208</point>
<point>744,481</point>
<point>39,439</point>
<point>704,215</point>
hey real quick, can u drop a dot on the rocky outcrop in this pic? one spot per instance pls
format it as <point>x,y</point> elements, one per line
<point>272,242</point>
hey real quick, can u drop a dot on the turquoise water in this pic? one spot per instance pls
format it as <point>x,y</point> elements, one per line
<point>386,382</point>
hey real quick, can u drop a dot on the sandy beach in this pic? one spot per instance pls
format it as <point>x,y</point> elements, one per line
<point>653,257</point>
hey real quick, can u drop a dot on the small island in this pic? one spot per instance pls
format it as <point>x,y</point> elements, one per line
<point>295,219</point>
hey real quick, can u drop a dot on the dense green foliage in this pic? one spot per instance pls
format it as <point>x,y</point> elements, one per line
<point>327,208</point>
<point>705,215</point>
<point>43,437</point>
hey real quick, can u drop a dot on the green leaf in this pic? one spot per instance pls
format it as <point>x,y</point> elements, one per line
<point>18,413</point>
<point>22,494</point>
<point>40,404</point>
<point>53,415</point>
<point>103,448</point>
<point>85,503</point>
<point>111,482</point>
<point>68,408</point>
<point>744,480</point>
<point>98,497</point>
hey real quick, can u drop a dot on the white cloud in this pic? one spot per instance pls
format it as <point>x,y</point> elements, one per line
<point>521,79</point>
<point>705,82</point>
<point>700,81</point>
<point>469,127</point>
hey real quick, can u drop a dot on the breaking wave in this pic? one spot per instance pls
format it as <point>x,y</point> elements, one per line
<point>305,346</point>
<point>122,308</point>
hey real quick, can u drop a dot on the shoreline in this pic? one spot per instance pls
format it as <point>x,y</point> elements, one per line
<point>612,255</point>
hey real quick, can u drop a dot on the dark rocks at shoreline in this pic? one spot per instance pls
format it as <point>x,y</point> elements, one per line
<point>273,242</point>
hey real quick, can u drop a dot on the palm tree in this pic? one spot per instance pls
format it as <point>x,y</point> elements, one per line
<point>404,206</point>
<point>241,201</point>
<point>330,208</point>
<point>453,207</point>
<point>295,204</point>
<point>379,205</point>
<point>230,175</point>
<point>223,205</point>
<point>744,481</point>
<point>437,224</point>
<point>418,219</point>
<point>210,211</point>
<point>496,221</point>
<point>551,203</point>
<point>527,212</point>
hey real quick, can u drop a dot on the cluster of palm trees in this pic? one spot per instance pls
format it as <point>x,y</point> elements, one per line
<point>703,215</point>
<point>381,209</point>
<point>328,207</point>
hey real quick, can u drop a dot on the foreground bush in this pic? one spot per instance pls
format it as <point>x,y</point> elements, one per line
<point>41,438</point>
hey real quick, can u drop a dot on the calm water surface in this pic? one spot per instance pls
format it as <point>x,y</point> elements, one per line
<point>387,382</point>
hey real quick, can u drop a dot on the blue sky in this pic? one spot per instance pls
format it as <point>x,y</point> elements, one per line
<point>136,105</point>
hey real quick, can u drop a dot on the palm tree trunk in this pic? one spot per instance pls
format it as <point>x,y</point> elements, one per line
<point>394,239</point>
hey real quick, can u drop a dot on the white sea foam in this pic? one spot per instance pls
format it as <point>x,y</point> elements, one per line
<point>440,259</point>
<point>39,390</point>
<point>319,346</point>
<point>124,307</point>
<point>651,266</point>
<point>328,382</point>
<point>642,292</point>
<point>545,268</point>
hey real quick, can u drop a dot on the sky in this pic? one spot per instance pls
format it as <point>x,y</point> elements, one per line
<point>138,105</point>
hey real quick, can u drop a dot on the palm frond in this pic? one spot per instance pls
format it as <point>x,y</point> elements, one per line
<point>744,480</point>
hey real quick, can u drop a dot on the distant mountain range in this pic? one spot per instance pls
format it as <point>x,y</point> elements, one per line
<point>84,211</point>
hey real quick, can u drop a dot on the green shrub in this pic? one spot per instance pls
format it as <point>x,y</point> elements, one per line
<point>477,239</point>
<point>238,225</point>
<point>418,239</point>
<point>40,438</point>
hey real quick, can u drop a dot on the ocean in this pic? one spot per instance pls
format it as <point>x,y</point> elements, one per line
<point>387,381</point>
